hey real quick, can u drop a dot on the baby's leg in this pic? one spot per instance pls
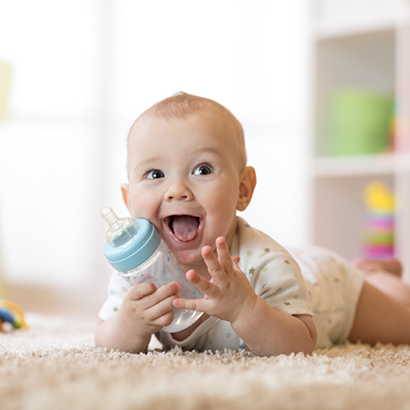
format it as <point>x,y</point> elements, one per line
<point>383,309</point>
<point>380,318</point>
<point>385,275</point>
<point>369,266</point>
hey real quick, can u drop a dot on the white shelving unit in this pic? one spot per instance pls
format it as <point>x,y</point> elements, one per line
<point>359,43</point>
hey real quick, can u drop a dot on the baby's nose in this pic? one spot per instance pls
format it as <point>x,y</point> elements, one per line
<point>179,191</point>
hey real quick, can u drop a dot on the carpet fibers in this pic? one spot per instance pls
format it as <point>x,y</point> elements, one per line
<point>54,365</point>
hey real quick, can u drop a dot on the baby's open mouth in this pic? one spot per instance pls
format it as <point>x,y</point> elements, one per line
<point>184,227</point>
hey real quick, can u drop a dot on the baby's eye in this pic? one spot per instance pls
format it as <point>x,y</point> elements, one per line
<point>202,170</point>
<point>154,174</point>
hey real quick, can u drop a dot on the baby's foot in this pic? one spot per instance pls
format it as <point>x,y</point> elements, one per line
<point>370,266</point>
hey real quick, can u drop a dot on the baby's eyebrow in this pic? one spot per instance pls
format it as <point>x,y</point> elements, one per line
<point>208,149</point>
<point>140,166</point>
<point>148,161</point>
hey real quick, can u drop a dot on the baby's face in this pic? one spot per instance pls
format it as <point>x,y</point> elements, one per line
<point>184,178</point>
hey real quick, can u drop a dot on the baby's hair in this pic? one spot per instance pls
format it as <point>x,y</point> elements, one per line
<point>181,105</point>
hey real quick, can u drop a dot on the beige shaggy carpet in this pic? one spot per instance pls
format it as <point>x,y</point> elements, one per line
<point>54,365</point>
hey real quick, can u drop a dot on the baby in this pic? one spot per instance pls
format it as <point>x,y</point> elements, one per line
<point>188,176</point>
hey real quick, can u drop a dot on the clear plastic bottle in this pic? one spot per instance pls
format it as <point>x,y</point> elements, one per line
<point>135,249</point>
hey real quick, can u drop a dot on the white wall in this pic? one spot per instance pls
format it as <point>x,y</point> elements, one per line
<point>83,70</point>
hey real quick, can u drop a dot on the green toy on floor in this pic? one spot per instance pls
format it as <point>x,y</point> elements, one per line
<point>11,317</point>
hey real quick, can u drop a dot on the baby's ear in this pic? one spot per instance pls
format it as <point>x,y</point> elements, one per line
<point>246,188</point>
<point>125,191</point>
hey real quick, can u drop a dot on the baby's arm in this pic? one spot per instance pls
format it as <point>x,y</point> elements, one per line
<point>267,331</point>
<point>230,296</point>
<point>144,311</point>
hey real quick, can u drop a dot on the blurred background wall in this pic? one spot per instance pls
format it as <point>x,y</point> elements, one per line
<point>83,70</point>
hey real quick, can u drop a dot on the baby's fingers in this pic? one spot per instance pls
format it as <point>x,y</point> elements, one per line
<point>224,257</point>
<point>151,294</point>
<point>162,313</point>
<point>138,292</point>
<point>221,266</point>
<point>204,285</point>
<point>215,269</point>
<point>207,288</point>
<point>191,304</point>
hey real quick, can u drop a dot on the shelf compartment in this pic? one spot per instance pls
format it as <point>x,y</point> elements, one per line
<point>329,167</point>
<point>339,213</point>
<point>332,19</point>
<point>341,29</point>
<point>364,62</point>
<point>361,165</point>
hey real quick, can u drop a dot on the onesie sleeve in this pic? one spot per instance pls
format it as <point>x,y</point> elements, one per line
<point>117,290</point>
<point>280,283</point>
<point>272,271</point>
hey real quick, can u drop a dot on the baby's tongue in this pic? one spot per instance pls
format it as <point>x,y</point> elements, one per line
<point>184,227</point>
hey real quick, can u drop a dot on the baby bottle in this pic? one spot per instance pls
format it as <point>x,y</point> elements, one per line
<point>135,249</point>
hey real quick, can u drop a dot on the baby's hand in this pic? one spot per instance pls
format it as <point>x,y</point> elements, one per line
<point>146,309</point>
<point>229,294</point>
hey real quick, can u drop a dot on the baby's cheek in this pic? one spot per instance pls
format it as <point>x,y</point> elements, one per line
<point>142,206</point>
